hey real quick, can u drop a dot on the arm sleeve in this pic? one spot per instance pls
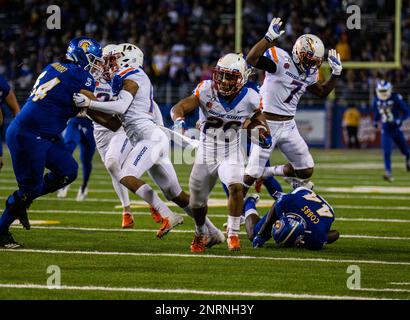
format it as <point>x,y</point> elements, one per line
<point>118,106</point>
<point>403,107</point>
<point>266,64</point>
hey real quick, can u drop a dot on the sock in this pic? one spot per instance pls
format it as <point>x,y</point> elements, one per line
<point>234,225</point>
<point>151,197</point>
<point>200,230</point>
<point>249,212</point>
<point>272,185</point>
<point>122,192</point>
<point>274,171</point>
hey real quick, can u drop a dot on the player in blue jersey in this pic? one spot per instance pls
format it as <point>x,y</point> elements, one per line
<point>34,137</point>
<point>80,132</point>
<point>391,110</point>
<point>300,218</point>
<point>6,96</point>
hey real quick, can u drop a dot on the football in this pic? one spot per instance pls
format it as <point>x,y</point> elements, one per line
<point>256,130</point>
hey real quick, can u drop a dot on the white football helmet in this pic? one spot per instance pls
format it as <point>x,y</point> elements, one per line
<point>110,64</point>
<point>129,55</point>
<point>107,50</point>
<point>308,53</point>
<point>383,89</point>
<point>230,74</point>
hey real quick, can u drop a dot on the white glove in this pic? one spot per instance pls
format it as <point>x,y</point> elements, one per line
<point>334,62</point>
<point>81,100</point>
<point>273,31</point>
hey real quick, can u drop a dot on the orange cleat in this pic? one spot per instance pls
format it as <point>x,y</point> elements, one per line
<point>169,223</point>
<point>156,216</point>
<point>258,185</point>
<point>233,243</point>
<point>127,220</point>
<point>198,244</point>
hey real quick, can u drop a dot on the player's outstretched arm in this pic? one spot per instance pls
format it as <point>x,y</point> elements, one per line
<point>12,103</point>
<point>182,108</point>
<point>255,56</point>
<point>119,106</point>
<point>322,90</point>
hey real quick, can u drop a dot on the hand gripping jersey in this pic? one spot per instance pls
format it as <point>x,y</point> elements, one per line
<point>221,121</point>
<point>50,103</point>
<point>282,90</point>
<point>313,209</point>
<point>139,120</point>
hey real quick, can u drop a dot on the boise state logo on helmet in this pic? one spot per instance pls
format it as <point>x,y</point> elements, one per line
<point>86,53</point>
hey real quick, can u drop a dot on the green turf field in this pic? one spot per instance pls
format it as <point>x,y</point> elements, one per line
<point>98,260</point>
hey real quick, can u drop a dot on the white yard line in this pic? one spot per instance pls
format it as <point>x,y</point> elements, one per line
<point>204,256</point>
<point>347,236</point>
<point>400,283</point>
<point>188,291</point>
<point>382,289</point>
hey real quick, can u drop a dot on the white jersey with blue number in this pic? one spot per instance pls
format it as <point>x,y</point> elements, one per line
<point>103,92</point>
<point>282,90</point>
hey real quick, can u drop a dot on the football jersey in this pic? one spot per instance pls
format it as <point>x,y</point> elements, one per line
<point>391,110</point>
<point>313,209</point>
<point>138,120</point>
<point>4,89</point>
<point>220,121</point>
<point>282,90</point>
<point>50,104</point>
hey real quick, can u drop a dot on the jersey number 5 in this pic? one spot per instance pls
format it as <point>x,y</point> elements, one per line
<point>40,91</point>
<point>298,85</point>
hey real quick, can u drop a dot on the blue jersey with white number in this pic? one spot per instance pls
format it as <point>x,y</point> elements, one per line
<point>4,89</point>
<point>50,104</point>
<point>313,209</point>
<point>391,111</point>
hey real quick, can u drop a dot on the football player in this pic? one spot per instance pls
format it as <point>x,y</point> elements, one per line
<point>150,144</point>
<point>34,137</point>
<point>287,77</point>
<point>300,218</point>
<point>392,111</point>
<point>225,103</point>
<point>6,96</point>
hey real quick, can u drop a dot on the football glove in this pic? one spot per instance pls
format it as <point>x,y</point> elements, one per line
<point>334,62</point>
<point>180,124</point>
<point>258,241</point>
<point>273,31</point>
<point>265,142</point>
<point>81,100</point>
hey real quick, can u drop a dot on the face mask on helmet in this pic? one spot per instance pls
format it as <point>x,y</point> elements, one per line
<point>110,66</point>
<point>308,53</point>
<point>226,81</point>
<point>95,66</point>
<point>289,231</point>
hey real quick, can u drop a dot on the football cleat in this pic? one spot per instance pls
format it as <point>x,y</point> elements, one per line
<point>62,193</point>
<point>127,220</point>
<point>7,241</point>
<point>388,177</point>
<point>156,216</point>
<point>258,185</point>
<point>198,244</point>
<point>82,194</point>
<point>233,243</point>
<point>215,238</point>
<point>225,225</point>
<point>168,224</point>
<point>298,183</point>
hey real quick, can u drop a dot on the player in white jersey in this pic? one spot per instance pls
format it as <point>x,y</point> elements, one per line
<point>287,77</point>
<point>150,144</point>
<point>224,103</point>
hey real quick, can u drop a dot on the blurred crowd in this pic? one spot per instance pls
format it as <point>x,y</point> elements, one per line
<point>183,39</point>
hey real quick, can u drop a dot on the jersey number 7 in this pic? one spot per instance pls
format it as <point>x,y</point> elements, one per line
<point>298,85</point>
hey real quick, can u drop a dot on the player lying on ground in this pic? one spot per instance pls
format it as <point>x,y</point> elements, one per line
<point>150,144</point>
<point>34,137</point>
<point>225,103</point>
<point>287,77</point>
<point>6,96</point>
<point>300,218</point>
<point>392,111</point>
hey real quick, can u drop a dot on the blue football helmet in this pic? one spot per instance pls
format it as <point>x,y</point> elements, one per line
<point>289,230</point>
<point>86,53</point>
<point>383,89</point>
